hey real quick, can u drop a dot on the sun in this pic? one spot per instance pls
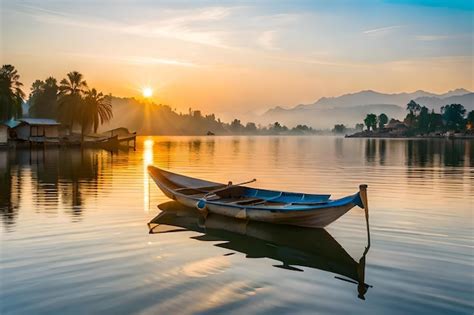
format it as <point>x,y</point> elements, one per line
<point>147,92</point>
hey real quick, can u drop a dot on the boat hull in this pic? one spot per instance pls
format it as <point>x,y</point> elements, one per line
<point>318,216</point>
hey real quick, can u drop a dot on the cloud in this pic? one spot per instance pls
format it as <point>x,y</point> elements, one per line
<point>381,30</point>
<point>136,60</point>
<point>180,26</point>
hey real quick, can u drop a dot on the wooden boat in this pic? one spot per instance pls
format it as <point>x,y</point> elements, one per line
<point>254,204</point>
<point>293,247</point>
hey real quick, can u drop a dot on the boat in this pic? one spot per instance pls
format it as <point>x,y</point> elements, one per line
<point>293,247</point>
<point>242,202</point>
<point>111,139</point>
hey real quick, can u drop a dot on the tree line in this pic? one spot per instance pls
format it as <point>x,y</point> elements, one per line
<point>72,101</point>
<point>420,120</point>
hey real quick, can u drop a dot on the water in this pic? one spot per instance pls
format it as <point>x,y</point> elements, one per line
<point>75,239</point>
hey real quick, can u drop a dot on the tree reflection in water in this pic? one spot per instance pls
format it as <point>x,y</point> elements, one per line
<point>66,175</point>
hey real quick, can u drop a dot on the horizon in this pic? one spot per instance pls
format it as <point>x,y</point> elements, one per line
<point>241,58</point>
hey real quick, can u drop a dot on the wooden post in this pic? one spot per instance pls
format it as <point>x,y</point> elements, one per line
<point>365,201</point>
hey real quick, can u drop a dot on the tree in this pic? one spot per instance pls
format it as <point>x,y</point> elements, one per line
<point>43,98</point>
<point>453,115</point>
<point>423,120</point>
<point>383,119</point>
<point>277,128</point>
<point>436,122</point>
<point>250,127</point>
<point>97,109</point>
<point>340,128</point>
<point>70,100</point>
<point>371,121</point>
<point>301,129</point>
<point>413,107</point>
<point>11,95</point>
<point>236,126</point>
<point>359,127</point>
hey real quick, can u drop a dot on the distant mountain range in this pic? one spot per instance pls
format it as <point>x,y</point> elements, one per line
<point>352,108</point>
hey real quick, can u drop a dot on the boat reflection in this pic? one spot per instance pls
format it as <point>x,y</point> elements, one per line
<point>292,246</point>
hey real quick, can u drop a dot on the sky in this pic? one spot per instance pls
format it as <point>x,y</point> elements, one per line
<point>241,57</point>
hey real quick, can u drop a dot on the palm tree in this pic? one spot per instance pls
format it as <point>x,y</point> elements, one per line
<point>74,84</point>
<point>43,98</point>
<point>97,110</point>
<point>11,95</point>
<point>70,101</point>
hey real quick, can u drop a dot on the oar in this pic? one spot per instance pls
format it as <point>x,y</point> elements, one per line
<point>365,201</point>
<point>229,185</point>
<point>201,204</point>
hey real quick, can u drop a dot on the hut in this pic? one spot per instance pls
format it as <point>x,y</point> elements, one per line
<point>6,128</point>
<point>396,127</point>
<point>38,130</point>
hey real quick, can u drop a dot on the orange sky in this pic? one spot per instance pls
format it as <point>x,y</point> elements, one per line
<point>241,58</point>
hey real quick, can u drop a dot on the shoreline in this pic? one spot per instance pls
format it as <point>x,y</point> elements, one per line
<point>387,136</point>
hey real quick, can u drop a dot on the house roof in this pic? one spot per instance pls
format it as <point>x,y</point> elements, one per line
<point>11,123</point>
<point>40,121</point>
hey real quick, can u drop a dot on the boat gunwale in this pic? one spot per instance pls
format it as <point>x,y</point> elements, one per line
<point>288,208</point>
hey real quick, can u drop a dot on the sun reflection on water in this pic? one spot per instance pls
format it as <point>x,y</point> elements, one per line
<point>147,160</point>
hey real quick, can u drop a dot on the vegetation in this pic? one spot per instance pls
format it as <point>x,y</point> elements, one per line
<point>43,99</point>
<point>71,102</point>
<point>382,120</point>
<point>11,95</point>
<point>420,121</point>
<point>97,109</point>
<point>340,128</point>
<point>453,115</point>
<point>76,105</point>
<point>371,121</point>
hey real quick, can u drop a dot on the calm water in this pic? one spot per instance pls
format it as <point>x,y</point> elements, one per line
<point>74,236</point>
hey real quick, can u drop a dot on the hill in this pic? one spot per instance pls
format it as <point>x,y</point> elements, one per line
<point>352,108</point>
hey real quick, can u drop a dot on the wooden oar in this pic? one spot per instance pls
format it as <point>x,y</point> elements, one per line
<point>365,201</point>
<point>201,204</point>
<point>229,185</point>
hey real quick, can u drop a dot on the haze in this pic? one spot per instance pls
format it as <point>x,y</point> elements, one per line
<point>242,57</point>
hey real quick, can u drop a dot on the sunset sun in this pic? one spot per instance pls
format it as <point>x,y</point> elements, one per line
<point>147,92</point>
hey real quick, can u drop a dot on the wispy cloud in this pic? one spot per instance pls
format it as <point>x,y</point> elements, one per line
<point>179,26</point>
<point>381,30</point>
<point>136,60</point>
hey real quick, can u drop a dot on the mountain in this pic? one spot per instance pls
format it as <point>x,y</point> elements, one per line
<point>324,118</point>
<point>351,108</point>
<point>467,100</point>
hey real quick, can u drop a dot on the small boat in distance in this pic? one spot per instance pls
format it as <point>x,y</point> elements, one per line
<point>241,202</point>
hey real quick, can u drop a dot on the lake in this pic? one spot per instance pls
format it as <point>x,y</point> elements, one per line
<point>75,240</point>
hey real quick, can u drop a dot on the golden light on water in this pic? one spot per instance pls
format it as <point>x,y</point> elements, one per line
<point>147,160</point>
<point>147,92</point>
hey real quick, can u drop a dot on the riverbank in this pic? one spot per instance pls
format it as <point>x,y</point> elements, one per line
<point>375,134</point>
